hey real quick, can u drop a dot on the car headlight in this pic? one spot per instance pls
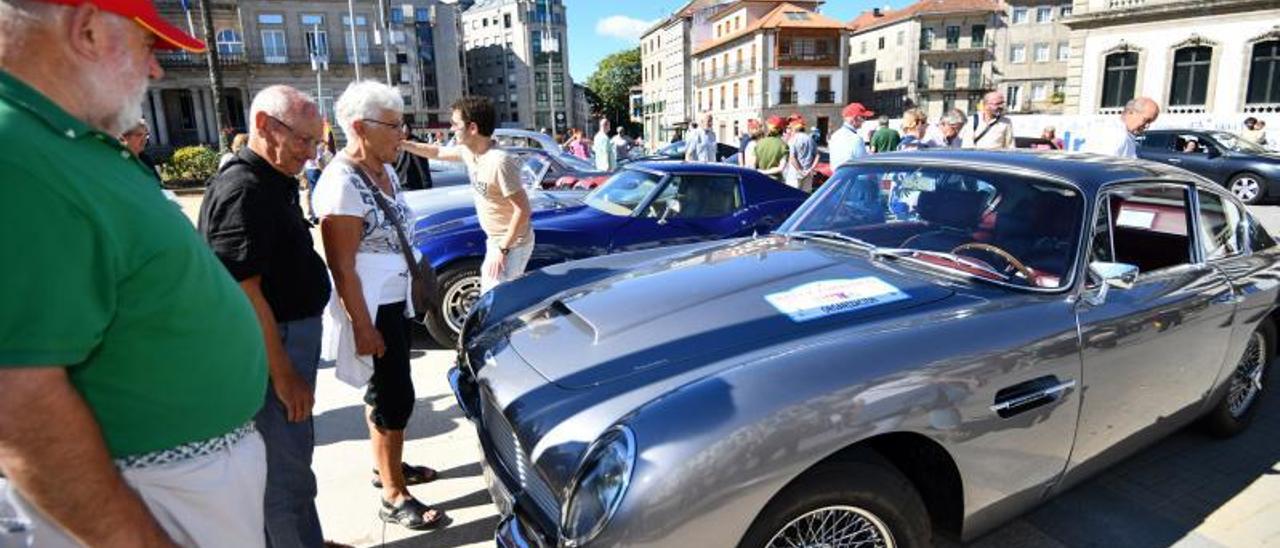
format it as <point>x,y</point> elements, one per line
<point>598,489</point>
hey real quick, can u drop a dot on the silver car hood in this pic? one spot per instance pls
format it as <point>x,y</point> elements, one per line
<point>702,306</point>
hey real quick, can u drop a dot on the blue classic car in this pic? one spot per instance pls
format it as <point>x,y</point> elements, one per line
<point>645,205</point>
<point>932,344</point>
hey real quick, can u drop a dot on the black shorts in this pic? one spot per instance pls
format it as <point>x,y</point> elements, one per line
<point>390,391</point>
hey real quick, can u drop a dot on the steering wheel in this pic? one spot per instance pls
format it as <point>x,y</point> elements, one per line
<point>1008,257</point>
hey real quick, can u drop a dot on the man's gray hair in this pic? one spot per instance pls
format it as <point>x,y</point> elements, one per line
<point>365,99</point>
<point>1135,105</point>
<point>19,17</point>
<point>279,102</point>
<point>954,117</point>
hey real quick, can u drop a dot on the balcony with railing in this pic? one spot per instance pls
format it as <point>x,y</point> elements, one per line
<point>723,73</point>
<point>987,46</point>
<point>788,97</point>
<point>973,83</point>
<point>171,60</point>
<point>824,96</point>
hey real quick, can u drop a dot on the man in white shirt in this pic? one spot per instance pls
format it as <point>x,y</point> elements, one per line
<point>846,143</point>
<point>1119,138</point>
<point>989,129</point>
<point>602,148</point>
<point>701,142</point>
<point>502,205</point>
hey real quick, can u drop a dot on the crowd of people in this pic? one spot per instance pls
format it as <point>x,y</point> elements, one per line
<point>172,371</point>
<point>150,360</point>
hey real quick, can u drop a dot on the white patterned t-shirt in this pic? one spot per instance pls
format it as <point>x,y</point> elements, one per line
<point>340,191</point>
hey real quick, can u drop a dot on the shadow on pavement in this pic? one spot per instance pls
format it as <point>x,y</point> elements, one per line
<point>1158,496</point>
<point>478,531</point>
<point>348,423</point>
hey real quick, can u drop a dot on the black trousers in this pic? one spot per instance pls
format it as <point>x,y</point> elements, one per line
<point>390,391</point>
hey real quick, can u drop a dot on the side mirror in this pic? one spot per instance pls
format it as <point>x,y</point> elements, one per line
<point>1108,275</point>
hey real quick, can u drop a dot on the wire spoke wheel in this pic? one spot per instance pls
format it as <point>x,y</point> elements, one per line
<point>1246,381</point>
<point>834,527</point>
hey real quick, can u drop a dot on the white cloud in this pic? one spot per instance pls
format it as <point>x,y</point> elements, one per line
<point>622,27</point>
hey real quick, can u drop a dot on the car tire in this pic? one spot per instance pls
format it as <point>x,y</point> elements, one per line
<point>1235,409</point>
<point>1250,188</point>
<point>459,287</point>
<point>869,492</point>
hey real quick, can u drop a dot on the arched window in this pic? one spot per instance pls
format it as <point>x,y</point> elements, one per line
<point>1264,73</point>
<point>1190,75</point>
<point>1120,75</point>
<point>229,42</point>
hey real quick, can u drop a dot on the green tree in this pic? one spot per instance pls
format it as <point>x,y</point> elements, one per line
<point>612,82</point>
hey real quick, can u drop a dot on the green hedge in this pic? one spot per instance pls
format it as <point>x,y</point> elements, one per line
<point>190,164</point>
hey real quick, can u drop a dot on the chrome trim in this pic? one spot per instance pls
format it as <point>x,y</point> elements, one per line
<point>1028,398</point>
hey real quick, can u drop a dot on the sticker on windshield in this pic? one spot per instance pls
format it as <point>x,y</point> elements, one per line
<point>827,297</point>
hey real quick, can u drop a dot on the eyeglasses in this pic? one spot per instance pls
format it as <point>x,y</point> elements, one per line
<point>308,142</point>
<point>399,126</point>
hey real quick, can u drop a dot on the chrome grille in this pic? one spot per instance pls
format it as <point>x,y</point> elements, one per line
<point>515,461</point>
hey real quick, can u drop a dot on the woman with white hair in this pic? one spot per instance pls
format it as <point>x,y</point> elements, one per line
<point>364,220</point>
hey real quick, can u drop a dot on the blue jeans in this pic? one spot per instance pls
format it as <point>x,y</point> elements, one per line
<point>313,177</point>
<point>290,508</point>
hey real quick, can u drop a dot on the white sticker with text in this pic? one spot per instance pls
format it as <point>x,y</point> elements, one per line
<point>826,297</point>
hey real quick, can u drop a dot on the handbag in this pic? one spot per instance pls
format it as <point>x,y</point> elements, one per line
<point>422,278</point>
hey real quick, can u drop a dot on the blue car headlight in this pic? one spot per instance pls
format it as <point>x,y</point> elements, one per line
<point>598,489</point>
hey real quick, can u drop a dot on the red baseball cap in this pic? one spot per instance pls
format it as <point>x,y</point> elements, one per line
<point>143,12</point>
<point>796,119</point>
<point>775,121</point>
<point>856,109</point>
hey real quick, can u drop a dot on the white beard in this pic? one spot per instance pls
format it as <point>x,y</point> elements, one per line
<point>124,103</point>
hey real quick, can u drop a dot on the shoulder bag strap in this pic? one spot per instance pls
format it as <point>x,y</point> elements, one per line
<point>390,212</point>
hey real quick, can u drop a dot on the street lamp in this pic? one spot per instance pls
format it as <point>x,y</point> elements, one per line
<point>319,63</point>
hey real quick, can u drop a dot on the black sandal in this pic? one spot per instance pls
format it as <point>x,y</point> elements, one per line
<point>413,475</point>
<point>411,514</point>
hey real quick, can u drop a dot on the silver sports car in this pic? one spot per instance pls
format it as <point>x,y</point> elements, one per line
<point>931,345</point>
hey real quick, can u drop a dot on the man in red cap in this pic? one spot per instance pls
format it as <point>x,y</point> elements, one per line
<point>131,364</point>
<point>802,157</point>
<point>846,144</point>
<point>771,152</point>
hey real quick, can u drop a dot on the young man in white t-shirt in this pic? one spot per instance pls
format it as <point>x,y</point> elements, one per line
<point>501,202</point>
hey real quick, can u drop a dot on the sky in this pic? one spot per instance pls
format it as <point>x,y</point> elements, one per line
<point>598,28</point>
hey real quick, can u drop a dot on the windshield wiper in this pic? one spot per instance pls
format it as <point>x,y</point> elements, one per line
<point>896,252</point>
<point>832,235</point>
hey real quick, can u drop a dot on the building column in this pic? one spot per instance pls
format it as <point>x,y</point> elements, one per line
<point>211,117</point>
<point>161,125</point>
<point>197,100</point>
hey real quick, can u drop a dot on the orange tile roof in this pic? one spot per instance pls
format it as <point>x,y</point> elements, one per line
<point>868,20</point>
<point>777,19</point>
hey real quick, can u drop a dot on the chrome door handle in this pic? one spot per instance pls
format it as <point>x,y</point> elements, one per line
<point>1023,402</point>
<point>1175,161</point>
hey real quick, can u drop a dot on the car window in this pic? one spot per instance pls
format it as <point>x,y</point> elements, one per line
<point>533,170</point>
<point>697,196</point>
<point>1234,142</point>
<point>1259,238</point>
<point>981,219</point>
<point>622,193</point>
<point>1153,140</point>
<point>1144,225</point>
<point>1223,229</point>
<point>1190,143</point>
<point>575,163</point>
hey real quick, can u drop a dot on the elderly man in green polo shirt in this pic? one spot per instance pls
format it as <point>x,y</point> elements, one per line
<point>131,364</point>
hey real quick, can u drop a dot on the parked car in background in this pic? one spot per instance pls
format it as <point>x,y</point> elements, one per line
<point>905,358</point>
<point>1249,171</point>
<point>523,138</point>
<point>643,206</point>
<point>675,151</point>
<point>558,170</point>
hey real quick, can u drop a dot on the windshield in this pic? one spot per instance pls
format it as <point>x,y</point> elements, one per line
<point>577,164</point>
<point>673,149</point>
<point>622,193</point>
<point>532,170</point>
<point>1234,142</point>
<point>1005,228</point>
